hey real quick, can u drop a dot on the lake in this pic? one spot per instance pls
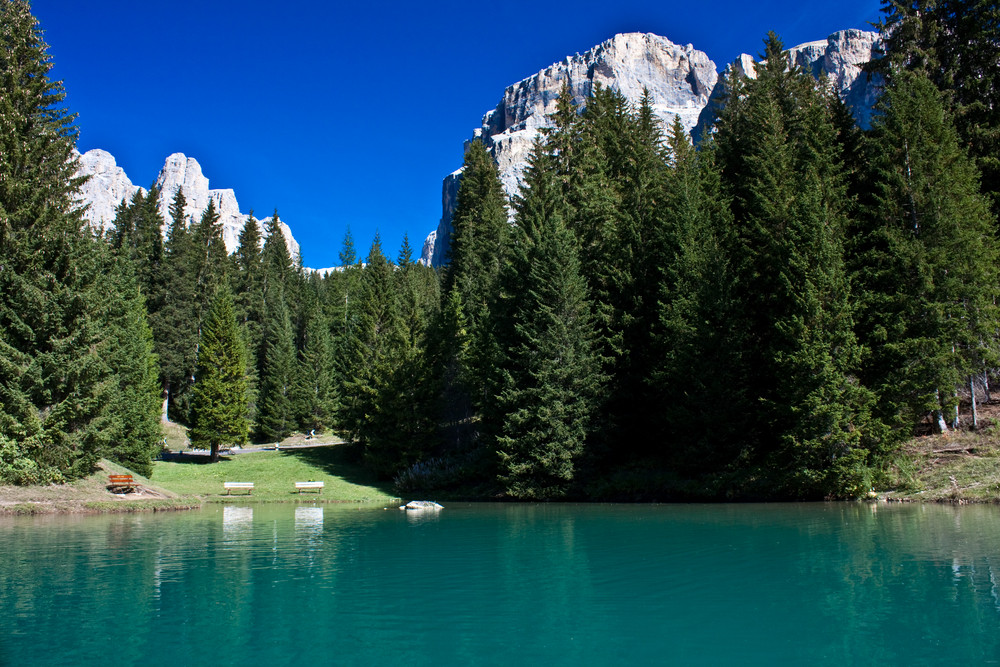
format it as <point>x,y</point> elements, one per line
<point>505,584</point>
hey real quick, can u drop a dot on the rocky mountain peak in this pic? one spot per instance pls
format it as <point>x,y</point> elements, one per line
<point>681,81</point>
<point>108,185</point>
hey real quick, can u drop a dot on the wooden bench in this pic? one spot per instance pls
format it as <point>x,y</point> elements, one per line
<point>229,486</point>
<point>124,482</point>
<point>299,486</point>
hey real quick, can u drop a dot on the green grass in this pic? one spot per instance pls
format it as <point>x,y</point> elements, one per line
<point>274,474</point>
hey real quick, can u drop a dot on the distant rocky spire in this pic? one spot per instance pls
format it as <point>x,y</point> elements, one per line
<point>109,185</point>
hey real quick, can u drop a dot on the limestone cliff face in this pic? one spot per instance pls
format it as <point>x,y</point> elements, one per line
<point>109,185</point>
<point>681,81</point>
<point>839,57</point>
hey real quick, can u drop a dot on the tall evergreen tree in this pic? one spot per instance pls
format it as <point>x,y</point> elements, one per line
<point>692,349</point>
<point>316,373</point>
<point>955,44</point>
<point>341,293</point>
<point>552,371</point>
<point>249,303</point>
<point>372,358</point>
<point>804,414</point>
<point>926,263</point>
<point>209,261</point>
<point>175,329</point>
<point>131,431</point>
<point>58,374</point>
<point>276,415</point>
<point>137,236</point>
<point>480,236</point>
<point>219,401</point>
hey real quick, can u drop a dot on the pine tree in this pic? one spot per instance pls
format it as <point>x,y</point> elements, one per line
<point>373,357</point>
<point>479,240</point>
<point>341,290</point>
<point>926,260</point>
<point>137,236</point>
<point>131,430</point>
<point>175,323</point>
<point>74,357</point>
<point>804,414</point>
<point>315,373</point>
<point>52,381</point>
<point>276,415</point>
<point>553,373</point>
<point>691,350</point>
<point>249,303</point>
<point>277,365</point>
<point>956,44</point>
<point>210,261</point>
<point>219,401</point>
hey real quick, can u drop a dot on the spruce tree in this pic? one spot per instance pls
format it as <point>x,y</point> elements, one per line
<point>552,370</point>
<point>804,414</point>
<point>341,289</point>
<point>313,394</point>
<point>926,263</point>
<point>131,430</point>
<point>219,400</point>
<point>249,303</point>
<point>372,358</point>
<point>175,323</point>
<point>52,381</point>
<point>692,352</point>
<point>276,415</point>
<point>955,44</point>
<point>479,240</point>
<point>209,261</point>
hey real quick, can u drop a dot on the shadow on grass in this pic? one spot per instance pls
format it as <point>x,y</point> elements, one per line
<point>187,457</point>
<point>342,461</point>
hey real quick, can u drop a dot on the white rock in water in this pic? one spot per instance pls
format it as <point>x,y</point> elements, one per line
<point>681,82</point>
<point>421,505</point>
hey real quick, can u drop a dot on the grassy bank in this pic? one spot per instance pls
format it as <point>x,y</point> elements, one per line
<point>274,474</point>
<point>190,480</point>
<point>963,466</point>
<point>90,494</point>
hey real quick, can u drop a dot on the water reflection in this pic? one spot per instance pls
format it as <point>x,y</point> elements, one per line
<point>237,521</point>
<point>555,584</point>
<point>309,520</point>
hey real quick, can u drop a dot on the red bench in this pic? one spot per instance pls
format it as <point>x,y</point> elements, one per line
<point>122,482</point>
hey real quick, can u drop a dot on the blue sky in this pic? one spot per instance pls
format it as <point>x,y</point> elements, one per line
<point>350,114</point>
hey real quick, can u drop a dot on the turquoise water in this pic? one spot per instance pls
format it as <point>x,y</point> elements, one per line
<point>812,584</point>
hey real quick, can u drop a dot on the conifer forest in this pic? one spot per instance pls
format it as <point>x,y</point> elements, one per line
<point>767,314</point>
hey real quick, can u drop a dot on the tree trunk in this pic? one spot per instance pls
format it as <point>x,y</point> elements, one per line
<point>954,422</point>
<point>214,456</point>
<point>939,414</point>
<point>972,392</point>
<point>164,416</point>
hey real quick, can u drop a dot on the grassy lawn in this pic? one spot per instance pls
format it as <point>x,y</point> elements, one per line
<point>274,474</point>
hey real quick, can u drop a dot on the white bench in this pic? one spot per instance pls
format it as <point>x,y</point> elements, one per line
<point>309,485</point>
<point>229,486</point>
